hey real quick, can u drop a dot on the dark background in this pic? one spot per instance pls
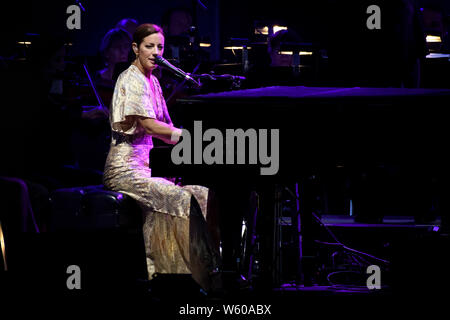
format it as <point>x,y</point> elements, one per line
<point>338,26</point>
<point>316,21</point>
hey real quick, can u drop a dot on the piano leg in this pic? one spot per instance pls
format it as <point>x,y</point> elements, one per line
<point>294,258</point>
<point>305,232</point>
<point>250,241</point>
<point>270,239</point>
<point>236,210</point>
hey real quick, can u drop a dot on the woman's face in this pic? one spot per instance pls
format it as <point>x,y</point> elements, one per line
<point>150,47</point>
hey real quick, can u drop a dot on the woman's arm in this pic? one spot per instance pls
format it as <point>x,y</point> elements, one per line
<point>161,130</point>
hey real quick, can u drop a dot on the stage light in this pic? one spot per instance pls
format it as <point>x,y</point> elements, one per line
<point>434,55</point>
<point>278,28</point>
<point>243,229</point>
<point>205,45</point>
<point>302,53</point>
<point>431,38</point>
<point>236,48</point>
<point>265,30</point>
<point>262,30</point>
<point>24,42</point>
<point>2,245</point>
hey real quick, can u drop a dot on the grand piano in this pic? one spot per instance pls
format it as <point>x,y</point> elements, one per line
<point>319,128</point>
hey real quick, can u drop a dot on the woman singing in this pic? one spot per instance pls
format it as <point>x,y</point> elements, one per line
<point>177,239</point>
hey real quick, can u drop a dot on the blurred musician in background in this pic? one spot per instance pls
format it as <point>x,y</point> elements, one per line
<point>128,24</point>
<point>39,156</point>
<point>59,114</point>
<point>91,139</point>
<point>182,49</point>
<point>114,49</point>
<point>177,23</point>
<point>274,67</point>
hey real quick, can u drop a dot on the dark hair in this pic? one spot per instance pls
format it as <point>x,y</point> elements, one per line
<point>145,30</point>
<point>126,21</point>
<point>111,36</point>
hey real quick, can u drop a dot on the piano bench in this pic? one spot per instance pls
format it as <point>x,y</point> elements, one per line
<point>91,208</point>
<point>99,231</point>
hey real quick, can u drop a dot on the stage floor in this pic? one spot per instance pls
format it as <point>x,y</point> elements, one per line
<point>417,254</point>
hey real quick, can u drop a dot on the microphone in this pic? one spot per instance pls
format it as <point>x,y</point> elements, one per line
<point>164,63</point>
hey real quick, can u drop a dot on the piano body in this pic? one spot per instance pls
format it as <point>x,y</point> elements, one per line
<point>318,128</point>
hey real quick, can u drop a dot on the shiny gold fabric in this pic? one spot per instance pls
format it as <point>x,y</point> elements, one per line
<point>175,241</point>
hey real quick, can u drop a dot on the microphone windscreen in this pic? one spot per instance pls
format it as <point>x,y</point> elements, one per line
<point>159,60</point>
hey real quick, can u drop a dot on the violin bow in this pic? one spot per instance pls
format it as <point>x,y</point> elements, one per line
<point>99,99</point>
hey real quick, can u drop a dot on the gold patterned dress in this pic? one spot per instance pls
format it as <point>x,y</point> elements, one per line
<point>176,235</point>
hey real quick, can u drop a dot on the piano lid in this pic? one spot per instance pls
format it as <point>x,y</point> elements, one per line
<point>319,92</point>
